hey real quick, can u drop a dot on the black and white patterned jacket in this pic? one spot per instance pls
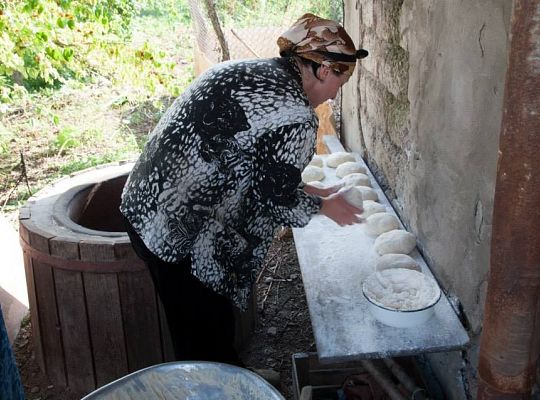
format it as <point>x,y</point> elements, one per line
<point>221,171</point>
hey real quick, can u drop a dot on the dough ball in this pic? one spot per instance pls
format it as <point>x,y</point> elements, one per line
<point>389,261</point>
<point>380,223</point>
<point>356,179</point>
<point>349,167</point>
<point>312,173</point>
<point>316,161</point>
<point>368,193</point>
<point>338,158</point>
<point>395,241</point>
<point>352,195</point>
<point>371,207</point>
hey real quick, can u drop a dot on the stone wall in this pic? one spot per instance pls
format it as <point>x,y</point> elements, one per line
<point>424,110</point>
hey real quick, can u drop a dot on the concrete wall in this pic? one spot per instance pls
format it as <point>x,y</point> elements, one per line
<point>424,110</point>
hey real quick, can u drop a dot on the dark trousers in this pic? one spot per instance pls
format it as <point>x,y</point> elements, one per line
<point>201,321</point>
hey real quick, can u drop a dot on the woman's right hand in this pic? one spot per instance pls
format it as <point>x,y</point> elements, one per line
<point>340,211</point>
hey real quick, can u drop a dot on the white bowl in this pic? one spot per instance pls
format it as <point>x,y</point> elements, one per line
<point>402,318</point>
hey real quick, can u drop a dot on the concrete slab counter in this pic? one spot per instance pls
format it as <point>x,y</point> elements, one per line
<point>334,262</point>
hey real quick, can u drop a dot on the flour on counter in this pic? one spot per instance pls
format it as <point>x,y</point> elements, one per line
<point>401,289</point>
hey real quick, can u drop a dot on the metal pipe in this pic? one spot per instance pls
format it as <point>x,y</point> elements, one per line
<point>510,340</point>
<point>382,379</point>
<point>407,382</point>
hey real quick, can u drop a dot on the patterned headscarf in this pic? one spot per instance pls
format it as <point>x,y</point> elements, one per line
<point>321,40</point>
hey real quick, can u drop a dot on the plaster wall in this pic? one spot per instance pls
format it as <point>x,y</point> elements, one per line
<point>424,110</point>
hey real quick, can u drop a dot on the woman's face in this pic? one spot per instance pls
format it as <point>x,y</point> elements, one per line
<point>333,82</point>
<point>328,84</point>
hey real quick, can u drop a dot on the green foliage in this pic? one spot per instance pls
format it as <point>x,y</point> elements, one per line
<point>66,138</point>
<point>91,161</point>
<point>43,42</point>
<point>174,10</point>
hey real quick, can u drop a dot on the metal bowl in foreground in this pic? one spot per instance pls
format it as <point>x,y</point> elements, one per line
<point>402,318</point>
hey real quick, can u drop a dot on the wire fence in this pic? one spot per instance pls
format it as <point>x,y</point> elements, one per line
<point>243,42</point>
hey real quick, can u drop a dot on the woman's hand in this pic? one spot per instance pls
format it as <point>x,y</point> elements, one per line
<point>322,192</point>
<point>340,211</point>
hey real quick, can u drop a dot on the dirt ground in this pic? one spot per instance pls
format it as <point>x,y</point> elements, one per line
<point>283,327</point>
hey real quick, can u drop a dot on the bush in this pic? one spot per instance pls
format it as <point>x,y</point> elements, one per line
<point>43,42</point>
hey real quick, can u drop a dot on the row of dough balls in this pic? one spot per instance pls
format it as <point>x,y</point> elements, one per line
<point>390,238</point>
<point>378,222</point>
<point>345,164</point>
<point>392,244</point>
<point>351,173</point>
<point>356,189</point>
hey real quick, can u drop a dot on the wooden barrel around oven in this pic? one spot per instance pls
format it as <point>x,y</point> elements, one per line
<point>94,311</point>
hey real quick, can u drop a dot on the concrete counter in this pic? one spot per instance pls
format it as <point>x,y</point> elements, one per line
<point>334,262</point>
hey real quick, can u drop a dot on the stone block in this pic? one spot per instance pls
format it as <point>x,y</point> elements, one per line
<point>386,62</point>
<point>393,71</point>
<point>366,13</point>
<point>397,118</point>
<point>351,130</point>
<point>374,100</point>
<point>386,16</point>
<point>369,41</point>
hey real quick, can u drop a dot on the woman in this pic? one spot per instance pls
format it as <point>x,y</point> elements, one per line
<point>221,171</point>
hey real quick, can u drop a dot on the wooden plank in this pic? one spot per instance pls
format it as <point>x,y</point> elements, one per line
<point>140,316</point>
<point>75,335</point>
<point>36,237</point>
<point>300,372</point>
<point>23,231</point>
<point>326,126</point>
<point>333,144</point>
<point>123,250</point>
<point>24,212</point>
<point>308,371</point>
<point>64,247</point>
<point>106,330</point>
<point>34,315</point>
<point>335,376</point>
<point>49,323</point>
<point>97,250</point>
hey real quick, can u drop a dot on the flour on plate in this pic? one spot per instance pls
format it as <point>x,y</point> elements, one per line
<point>401,289</point>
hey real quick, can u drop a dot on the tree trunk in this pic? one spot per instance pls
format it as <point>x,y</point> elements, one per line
<point>212,15</point>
